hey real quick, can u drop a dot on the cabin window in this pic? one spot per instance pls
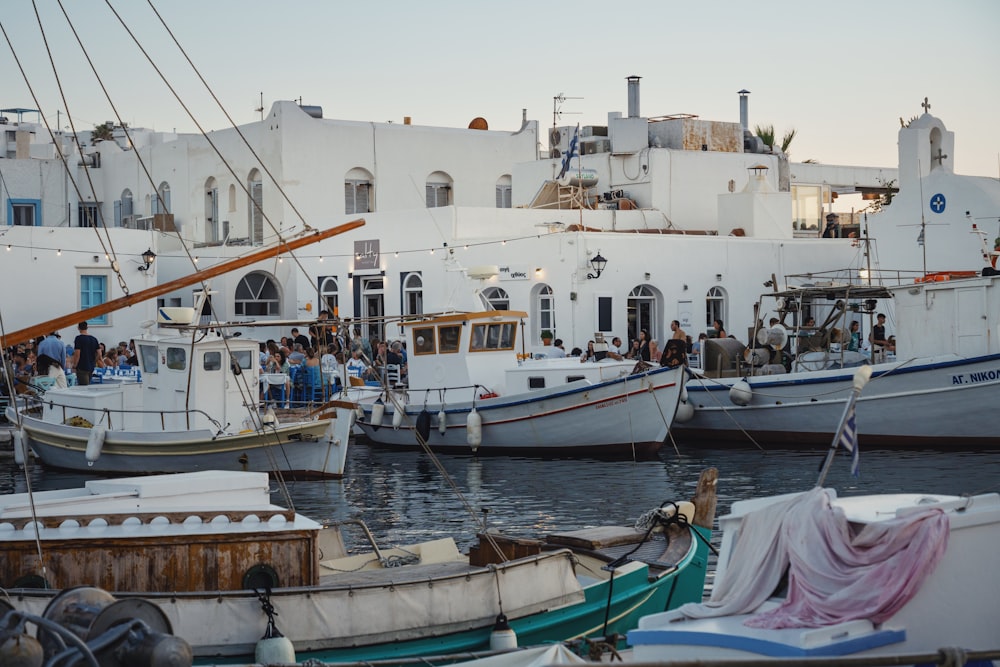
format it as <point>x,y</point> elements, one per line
<point>574,378</point>
<point>424,341</point>
<point>149,358</point>
<point>244,358</point>
<point>536,383</point>
<point>449,337</point>
<point>212,361</point>
<point>94,292</point>
<point>492,337</point>
<point>176,358</point>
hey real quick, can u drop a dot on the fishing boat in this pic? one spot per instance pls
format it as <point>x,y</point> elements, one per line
<point>221,561</point>
<point>468,387</point>
<point>815,575</point>
<point>191,404</point>
<point>937,386</point>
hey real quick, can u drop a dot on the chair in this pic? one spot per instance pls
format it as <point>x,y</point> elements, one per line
<point>275,387</point>
<point>392,374</point>
<point>311,384</point>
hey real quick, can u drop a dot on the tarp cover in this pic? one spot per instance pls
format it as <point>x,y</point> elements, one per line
<point>833,575</point>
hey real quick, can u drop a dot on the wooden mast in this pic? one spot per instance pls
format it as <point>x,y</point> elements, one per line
<point>24,335</point>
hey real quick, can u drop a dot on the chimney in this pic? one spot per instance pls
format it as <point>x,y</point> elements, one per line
<point>633,96</point>
<point>744,112</point>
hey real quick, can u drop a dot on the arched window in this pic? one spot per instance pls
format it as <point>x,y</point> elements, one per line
<point>438,189</point>
<point>358,192</point>
<point>257,296</point>
<point>413,294</point>
<point>161,203</point>
<point>497,298</point>
<point>329,295</point>
<point>123,209</point>
<point>503,191</point>
<point>642,313</point>
<point>715,306</point>
<point>232,198</point>
<point>212,212</point>
<point>255,212</point>
<point>545,310</point>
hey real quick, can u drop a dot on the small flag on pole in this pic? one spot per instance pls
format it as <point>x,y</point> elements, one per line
<point>849,441</point>
<point>570,153</point>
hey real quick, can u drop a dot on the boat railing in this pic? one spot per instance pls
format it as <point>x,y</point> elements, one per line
<point>106,413</point>
<point>234,516</point>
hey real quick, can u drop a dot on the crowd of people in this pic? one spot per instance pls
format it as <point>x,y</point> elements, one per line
<point>643,348</point>
<point>50,356</point>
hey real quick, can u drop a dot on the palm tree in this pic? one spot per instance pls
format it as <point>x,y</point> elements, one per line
<point>766,134</point>
<point>102,132</point>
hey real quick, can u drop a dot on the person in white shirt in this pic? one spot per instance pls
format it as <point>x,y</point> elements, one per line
<point>557,350</point>
<point>356,366</point>
<point>615,350</point>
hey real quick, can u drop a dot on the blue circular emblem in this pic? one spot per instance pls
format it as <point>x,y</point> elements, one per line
<point>937,203</point>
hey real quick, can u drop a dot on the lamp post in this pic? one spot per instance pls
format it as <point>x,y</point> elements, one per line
<point>598,263</point>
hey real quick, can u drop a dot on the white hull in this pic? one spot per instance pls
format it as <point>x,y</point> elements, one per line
<point>956,606</point>
<point>928,401</point>
<point>626,416</point>
<point>303,449</point>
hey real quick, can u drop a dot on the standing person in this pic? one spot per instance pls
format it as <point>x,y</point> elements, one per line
<point>878,339</point>
<point>52,359</point>
<point>86,354</point>
<point>678,334</point>
<point>298,338</point>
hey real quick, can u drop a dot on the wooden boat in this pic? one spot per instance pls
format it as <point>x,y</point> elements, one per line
<point>211,551</point>
<point>468,389</point>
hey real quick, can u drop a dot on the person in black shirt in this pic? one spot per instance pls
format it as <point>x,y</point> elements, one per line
<point>86,352</point>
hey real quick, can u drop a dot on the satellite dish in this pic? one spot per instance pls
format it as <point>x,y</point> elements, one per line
<point>555,136</point>
<point>478,123</point>
<point>555,153</point>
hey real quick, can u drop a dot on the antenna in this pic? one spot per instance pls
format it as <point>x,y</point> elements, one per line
<point>260,109</point>
<point>557,111</point>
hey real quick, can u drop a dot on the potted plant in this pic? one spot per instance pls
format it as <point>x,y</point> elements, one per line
<point>546,337</point>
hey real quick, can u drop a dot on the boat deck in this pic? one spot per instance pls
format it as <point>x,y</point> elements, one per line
<point>407,574</point>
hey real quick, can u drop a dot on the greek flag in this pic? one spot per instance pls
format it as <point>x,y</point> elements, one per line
<point>571,153</point>
<point>849,441</point>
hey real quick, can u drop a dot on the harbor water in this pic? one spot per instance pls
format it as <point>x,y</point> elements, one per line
<point>406,496</point>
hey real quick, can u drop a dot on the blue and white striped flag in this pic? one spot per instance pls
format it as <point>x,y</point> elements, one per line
<point>849,441</point>
<point>571,153</point>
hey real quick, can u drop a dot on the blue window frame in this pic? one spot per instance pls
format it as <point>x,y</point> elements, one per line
<point>94,292</point>
<point>24,212</point>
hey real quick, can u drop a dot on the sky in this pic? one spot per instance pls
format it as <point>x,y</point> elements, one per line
<point>841,74</point>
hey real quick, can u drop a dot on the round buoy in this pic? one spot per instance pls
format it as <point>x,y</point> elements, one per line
<point>442,422</point>
<point>95,443</point>
<point>503,637</point>
<point>424,425</point>
<point>378,413</point>
<point>741,393</point>
<point>274,648</point>
<point>270,419</point>
<point>397,417</point>
<point>359,412</point>
<point>474,429</point>
<point>21,650</point>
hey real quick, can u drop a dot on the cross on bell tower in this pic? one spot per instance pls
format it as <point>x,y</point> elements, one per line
<point>926,105</point>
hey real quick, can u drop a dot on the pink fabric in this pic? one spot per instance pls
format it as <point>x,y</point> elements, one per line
<point>833,576</point>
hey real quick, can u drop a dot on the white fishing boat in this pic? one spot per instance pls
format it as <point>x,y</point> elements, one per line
<point>937,388</point>
<point>223,564</point>
<point>469,389</point>
<point>192,404</point>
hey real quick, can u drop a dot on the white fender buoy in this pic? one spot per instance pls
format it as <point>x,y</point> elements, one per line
<point>685,411</point>
<point>474,429</point>
<point>95,443</point>
<point>274,648</point>
<point>378,413</point>
<point>270,419</point>
<point>503,637</point>
<point>359,412</point>
<point>18,436</point>
<point>741,393</point>
<point>442,421</point>
<point>397,416</point>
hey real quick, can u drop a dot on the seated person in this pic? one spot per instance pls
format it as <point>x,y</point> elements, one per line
<point>356,366</point>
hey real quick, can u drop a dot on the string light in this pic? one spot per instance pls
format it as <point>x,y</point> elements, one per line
<point>59,252</point>
<point>321,259</point>
<point>8,247</point>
